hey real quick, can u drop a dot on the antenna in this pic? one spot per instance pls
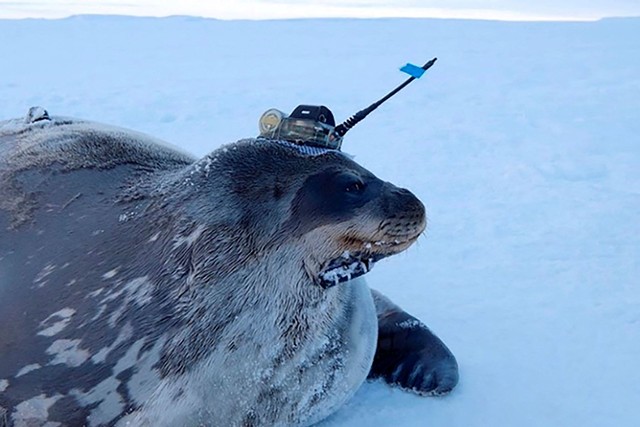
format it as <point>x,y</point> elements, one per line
<point>344,127</point>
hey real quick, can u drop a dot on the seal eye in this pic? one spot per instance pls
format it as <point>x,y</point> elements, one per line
<point>355,187</point>
<point>349,183</point>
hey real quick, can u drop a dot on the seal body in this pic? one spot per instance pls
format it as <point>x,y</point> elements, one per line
<point>143,287</point>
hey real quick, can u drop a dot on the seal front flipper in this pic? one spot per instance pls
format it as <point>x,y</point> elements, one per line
<point>409,355</point>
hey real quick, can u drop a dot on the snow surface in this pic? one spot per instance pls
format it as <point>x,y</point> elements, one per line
<point>522,141</point>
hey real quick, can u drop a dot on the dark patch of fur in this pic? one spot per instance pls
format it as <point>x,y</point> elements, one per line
<point>60,412</point>
<point>4,418</point>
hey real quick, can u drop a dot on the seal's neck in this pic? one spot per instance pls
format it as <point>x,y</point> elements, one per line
<point>223,267</point>
<point>252,298</point>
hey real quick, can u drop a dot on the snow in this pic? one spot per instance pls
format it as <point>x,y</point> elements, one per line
<point>522,141</point>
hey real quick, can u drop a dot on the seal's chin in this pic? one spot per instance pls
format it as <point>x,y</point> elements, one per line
<point>346,267</point>
<point>351,264</point>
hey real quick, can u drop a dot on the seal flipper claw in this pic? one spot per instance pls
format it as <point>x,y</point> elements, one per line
<point>409,355</point>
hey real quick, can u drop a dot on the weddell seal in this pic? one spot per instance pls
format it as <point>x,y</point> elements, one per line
<point>140,286</point>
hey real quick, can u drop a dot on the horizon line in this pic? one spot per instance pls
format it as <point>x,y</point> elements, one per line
<point>271,14</point>
<point>330,17</point>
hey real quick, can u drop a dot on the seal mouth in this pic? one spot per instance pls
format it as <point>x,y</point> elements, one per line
<point>350,265</point>
<point>346,267</point>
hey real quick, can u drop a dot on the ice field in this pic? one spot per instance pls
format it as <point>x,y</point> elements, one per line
<point>522,141</point>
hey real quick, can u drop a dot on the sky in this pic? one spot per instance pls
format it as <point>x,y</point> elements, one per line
<point>525,10</point>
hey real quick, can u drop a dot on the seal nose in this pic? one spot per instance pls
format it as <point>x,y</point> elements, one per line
<point>405,214</point>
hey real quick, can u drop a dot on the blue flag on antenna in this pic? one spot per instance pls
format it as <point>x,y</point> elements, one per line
<point>413,70</point>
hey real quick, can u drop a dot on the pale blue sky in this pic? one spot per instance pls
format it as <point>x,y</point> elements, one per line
<point>273,9</point>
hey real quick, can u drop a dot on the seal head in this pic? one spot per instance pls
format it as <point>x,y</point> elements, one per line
<point>345,216</point>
